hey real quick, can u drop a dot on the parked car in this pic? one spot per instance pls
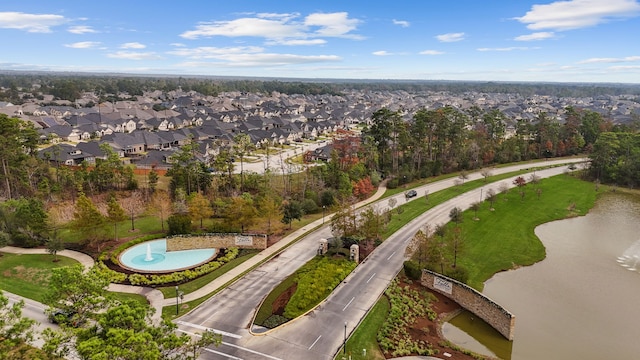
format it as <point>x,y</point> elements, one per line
<point>411,193</point>
<point>65,317</point>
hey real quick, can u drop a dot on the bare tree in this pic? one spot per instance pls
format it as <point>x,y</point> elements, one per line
<point>486,173</point>
<point>134,206</point>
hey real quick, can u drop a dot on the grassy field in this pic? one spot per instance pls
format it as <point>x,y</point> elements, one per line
<point>504,238</point>
<point>28,275</point>
<point>365,336</point>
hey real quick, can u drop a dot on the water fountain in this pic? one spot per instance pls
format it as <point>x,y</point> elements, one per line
<point>631,257</point>
<point>152,256</point>
<point>148,257</point>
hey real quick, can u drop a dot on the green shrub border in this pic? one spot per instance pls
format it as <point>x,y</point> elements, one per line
<point>176,277</point>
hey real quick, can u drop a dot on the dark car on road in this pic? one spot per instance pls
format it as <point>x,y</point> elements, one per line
<point>411,193</point>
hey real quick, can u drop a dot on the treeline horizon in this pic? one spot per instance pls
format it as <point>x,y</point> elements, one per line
<point>70,86</point>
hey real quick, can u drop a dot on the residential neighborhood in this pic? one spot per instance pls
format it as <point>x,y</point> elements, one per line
<point>146,129</point>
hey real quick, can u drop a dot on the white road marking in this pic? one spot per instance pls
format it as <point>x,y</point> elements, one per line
<point>223,354</point>
<point>374,274</point>
<point>349,303</point>
<point>315,342</point>
<point>251,351</point>
<point>235,346</point>
<point>200,327</point>
<point>390,256</point>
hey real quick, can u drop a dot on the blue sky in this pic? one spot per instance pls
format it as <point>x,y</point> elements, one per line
<point>486,40</point>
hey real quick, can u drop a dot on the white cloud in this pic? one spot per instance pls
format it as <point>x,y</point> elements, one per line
<point>297,42</point>
<point>245,56</point>
<point>178,44</point>
<point>81,29</point>
<point>576,14</point>
<point>543,35</point>
<point>625,67</point>
<point>512,48</point>
<point>382,53</point>
<point>206,52</point>
<point>610,60</point>
<point>83,45</point>
<point>431,52</point>
<point>132,55</point>
<point>402,23</point>
<point>264,59</point>
<point>34,23</point>
<point>450,37</point>
<point>132,45</point>
<point>333,24</point>
<point>281,28</point>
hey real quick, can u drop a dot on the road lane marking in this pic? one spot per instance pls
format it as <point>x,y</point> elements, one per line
<point>200,327</point>
<point>251,351</point>
<point>390,256</point>
<point>223,354</point>
<point>235,346</point>
<point>315,342</point>
<point>372,275</point>
<point>209,318</point>
<point>349,303</point>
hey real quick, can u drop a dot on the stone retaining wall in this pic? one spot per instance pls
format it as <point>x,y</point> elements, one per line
<point>217,240</point>
<point>470,299</point>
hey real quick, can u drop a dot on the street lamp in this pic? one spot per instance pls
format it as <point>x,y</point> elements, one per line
<point>344,345</point>
<point>177,300</point>
<point>323,208</point>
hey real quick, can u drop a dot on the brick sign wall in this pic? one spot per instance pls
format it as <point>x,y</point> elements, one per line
<point>218,241</point>
<point>470,299</point>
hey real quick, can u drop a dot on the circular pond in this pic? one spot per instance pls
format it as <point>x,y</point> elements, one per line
<point>152,256</point>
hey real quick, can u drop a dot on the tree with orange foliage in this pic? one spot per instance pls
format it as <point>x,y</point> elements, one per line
<point>363,188</point>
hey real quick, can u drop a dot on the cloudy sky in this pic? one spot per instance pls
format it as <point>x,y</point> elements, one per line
<point>492,40</point>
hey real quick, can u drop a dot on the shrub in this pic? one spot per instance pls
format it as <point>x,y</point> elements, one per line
<point>412,270</point>
<point>179,224</point>
<point>459,273</point>
<point>309,206</point>
<point>274,321</point>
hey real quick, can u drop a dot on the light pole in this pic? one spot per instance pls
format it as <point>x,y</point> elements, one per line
<point>323,208</point>
<point>177,300</point>
<point>344,346</point>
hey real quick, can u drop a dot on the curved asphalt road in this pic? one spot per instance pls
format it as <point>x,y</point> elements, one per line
<point>320,333</point>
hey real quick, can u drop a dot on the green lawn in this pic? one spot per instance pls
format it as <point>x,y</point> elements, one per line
<point>365,336</point>
<point>142,225</point>
<point>504,238</point>
<point>28,275</point>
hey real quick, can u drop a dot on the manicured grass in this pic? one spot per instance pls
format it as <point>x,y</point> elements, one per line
<point>128,296</point>
<point>28,275</point>
<point>415,208</point>
<point>142,225</point>
<point>504,238</point>
<point>364,337</point>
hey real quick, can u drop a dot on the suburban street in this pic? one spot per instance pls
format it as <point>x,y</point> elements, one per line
<point>320,333</point>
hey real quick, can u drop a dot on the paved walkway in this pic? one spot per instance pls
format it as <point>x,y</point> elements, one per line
<point>156,298</point>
